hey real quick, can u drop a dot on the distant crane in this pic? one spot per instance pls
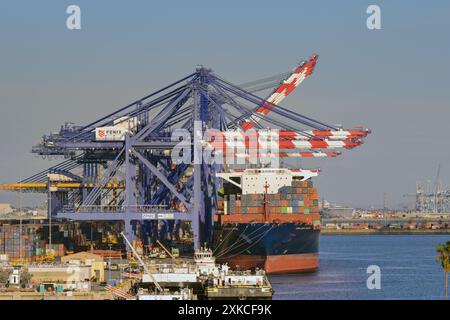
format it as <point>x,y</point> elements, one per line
<point>436,189</point>
<point>432,200</point>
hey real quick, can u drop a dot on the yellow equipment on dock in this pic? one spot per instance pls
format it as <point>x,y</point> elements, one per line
<point>39,186</point>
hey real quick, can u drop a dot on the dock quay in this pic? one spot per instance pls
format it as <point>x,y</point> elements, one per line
<point>24,295</point>
<point>82,276</point>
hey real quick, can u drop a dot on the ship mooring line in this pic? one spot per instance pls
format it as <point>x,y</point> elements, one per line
<point>238,241</point>
<point>228,257</point>
<point>236,244</point>
<point>229,233</point>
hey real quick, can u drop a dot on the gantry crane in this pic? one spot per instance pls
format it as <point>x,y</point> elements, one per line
<point>126,165</point>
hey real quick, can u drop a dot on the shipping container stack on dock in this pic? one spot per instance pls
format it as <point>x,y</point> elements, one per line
<point>15,247</point>
<point>25,243</point>
<point>30,242</point>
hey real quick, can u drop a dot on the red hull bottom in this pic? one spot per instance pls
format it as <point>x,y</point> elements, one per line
<point>289,263</point>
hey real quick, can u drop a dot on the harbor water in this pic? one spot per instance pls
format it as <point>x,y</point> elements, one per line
<point>407,262</point>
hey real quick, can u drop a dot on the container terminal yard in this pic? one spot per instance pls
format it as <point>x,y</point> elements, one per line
<point>191,171</point>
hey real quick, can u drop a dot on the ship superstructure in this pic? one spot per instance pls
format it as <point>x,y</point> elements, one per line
<point>271,220</point>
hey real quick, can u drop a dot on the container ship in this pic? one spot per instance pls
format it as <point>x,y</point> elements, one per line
<point>268,218</point>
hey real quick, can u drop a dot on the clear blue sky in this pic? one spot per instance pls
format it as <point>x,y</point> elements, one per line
<point>394,80</point>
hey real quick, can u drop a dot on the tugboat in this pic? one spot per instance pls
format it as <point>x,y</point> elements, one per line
<point>222,283</point>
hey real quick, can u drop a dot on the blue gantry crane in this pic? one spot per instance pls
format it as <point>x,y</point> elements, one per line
<point>126,165</point>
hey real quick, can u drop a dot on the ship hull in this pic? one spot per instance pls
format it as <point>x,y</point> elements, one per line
<point>278,248</point>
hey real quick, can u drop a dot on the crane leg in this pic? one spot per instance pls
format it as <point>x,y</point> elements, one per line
<point>129,233</point>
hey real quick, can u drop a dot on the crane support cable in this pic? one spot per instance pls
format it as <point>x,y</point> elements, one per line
<point>256,99</point>
<point>136,102</point>
<point>314,124</point>
<point>147,272</point>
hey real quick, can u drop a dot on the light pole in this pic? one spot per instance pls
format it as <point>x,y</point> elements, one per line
<point>49,203</point>
<point>20,231</point>
<point>20,240</point>
<point>109,269</point>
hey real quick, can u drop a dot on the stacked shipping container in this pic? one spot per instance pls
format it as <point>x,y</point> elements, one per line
<point>300,198</point>
<point>32,240</point>
<point>14,246</point>
<point>266,220</point>
<point>26,242</point>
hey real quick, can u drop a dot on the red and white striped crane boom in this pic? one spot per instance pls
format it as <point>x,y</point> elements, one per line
<point>304,70</point>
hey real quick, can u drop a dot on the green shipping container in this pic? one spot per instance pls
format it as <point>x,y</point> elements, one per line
<point>306,211</point>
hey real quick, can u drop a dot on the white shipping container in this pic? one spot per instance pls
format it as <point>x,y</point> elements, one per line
<point>110,134</point>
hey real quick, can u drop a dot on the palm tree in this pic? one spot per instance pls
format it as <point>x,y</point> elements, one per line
<point>443,257</point>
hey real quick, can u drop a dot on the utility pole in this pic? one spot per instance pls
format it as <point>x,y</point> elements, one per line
<point>20,231</point>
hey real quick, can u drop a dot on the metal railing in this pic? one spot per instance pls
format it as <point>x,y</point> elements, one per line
<point>118,209</point>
